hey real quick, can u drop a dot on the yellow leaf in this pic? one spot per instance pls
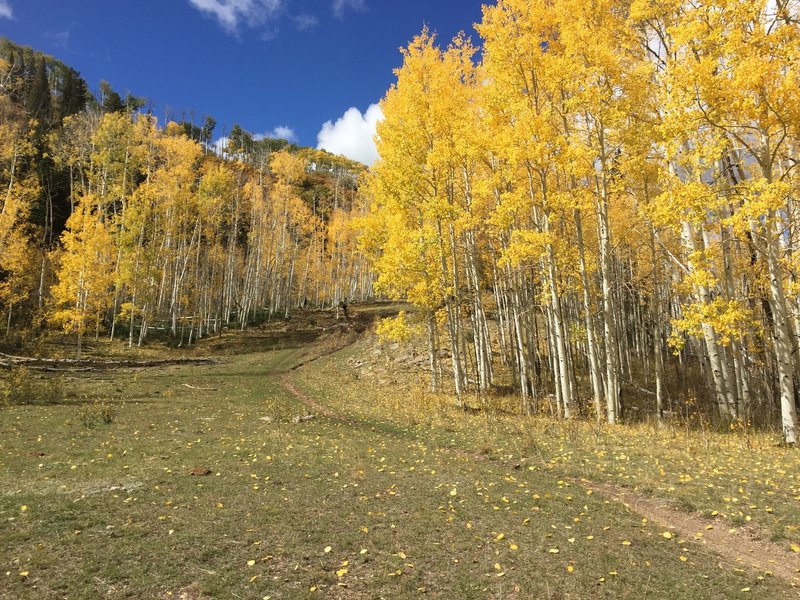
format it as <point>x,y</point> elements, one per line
<point>341,572</point>
<point>363,551</point>
<point>667,534</point>
<point>23,574</point>
<point>327,549</point>
<point>795,548</point>
<point>683,558</point>
<point>23,508</point>
<point>626,543</point>
<point>500,536</point>
<point>250,563</point>
<point>553,551</point>
<point>514,547</point>
<point>570,568</point>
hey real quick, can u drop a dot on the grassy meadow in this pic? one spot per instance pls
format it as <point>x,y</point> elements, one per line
<point>199,481</point>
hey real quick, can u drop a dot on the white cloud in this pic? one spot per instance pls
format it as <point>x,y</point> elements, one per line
<point>6,11</point>
<point>352,135</point>
<point>219,145</point>
<point>232,14</point>
<point>59,39</point>
<point>305,22</point>
<point>286,133</point>
<point>281,132</point>
<point>340,6</point>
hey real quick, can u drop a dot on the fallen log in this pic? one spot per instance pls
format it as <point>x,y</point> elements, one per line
<point>8,361</point>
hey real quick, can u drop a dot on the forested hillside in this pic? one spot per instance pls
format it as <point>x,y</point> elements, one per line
<point>603,206</point>
<point>112,223</point>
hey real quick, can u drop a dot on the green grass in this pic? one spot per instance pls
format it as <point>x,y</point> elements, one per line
<point>742,477</point>
<point>407,502</point>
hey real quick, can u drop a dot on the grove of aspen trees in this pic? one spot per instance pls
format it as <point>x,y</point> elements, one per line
<point>598,201</point>
<point>113,225</point>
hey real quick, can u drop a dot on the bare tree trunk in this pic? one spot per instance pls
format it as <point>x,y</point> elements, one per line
<point>612,387</point>
<point>594,363</point>
<point>783,341</point>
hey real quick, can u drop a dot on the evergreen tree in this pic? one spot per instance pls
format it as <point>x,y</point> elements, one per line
<point>73,94</point>
<point>109,99</point>
<point>37,101</point>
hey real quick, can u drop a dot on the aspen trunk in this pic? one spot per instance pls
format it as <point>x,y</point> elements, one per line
<point>594,363</point>
<point>782,336</point>
<point>703,296</point>
<point>612,387</point>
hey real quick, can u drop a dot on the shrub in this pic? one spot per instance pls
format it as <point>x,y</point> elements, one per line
<point>99,412</point>
<point>25,387</point>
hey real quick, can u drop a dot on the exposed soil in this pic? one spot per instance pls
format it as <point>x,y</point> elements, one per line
<point>736,546</point>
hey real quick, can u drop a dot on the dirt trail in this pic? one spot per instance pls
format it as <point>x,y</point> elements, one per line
<point>736,547</point>
<point>311,404</point>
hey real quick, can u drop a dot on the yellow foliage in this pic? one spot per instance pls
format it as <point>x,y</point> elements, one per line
<point>728,318</point>
<point>396,329</point>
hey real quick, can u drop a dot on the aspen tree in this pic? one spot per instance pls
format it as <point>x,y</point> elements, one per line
<point>415,181</point>
<point>19,191</point>
<point>86,271</point>
<point>731,91</point>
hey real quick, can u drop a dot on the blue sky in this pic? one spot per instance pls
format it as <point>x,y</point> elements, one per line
<point>265,64</point>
